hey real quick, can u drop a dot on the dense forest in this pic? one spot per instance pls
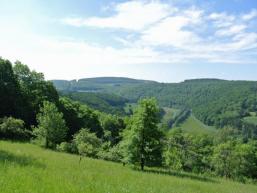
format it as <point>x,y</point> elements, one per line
<point>215,102</point>
<point>31,109</point>
<point>106,102</point>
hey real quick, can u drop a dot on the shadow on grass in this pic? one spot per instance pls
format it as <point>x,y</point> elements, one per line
<point>21,160</point>
<point>178,174</point>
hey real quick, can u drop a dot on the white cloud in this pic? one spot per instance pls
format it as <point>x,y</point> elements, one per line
<point>156,33</point>
<point>169,32</point>
<point>131,15</point>
<point>222,19</point>
<point>188,30</point>
<point>233,30</point>
<point>250,15</point>
<point>179,36</point>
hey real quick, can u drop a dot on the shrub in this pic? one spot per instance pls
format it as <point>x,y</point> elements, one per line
<point>87,143</point>
<point>11,128</point>
<point>67,147</point>
<point>111,153</point>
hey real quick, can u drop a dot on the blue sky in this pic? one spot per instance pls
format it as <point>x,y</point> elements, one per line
<point>163,40</point>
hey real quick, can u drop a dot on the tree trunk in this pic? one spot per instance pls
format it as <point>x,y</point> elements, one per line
<point>142,163</point>
<point>47,143</point>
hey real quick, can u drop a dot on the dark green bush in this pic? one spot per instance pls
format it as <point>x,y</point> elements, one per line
<point>11,128</point>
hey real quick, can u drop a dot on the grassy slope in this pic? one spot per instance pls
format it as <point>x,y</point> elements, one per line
<point>191,124</point>
<point>26,168</point>
<point>251,120</point>
<point>194,126</point>
<point>170,114</point>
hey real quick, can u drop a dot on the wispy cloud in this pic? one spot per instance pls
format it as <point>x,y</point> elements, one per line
<point>171,30</point>
<point>142,32</point>
<point>232,30</point>
<point>221,19</point>
<point>183,33</point>
<point>250,15</point>
<point>131,15</point>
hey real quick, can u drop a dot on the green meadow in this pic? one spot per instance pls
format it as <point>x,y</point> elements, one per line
<point>26,168</point>
<point>194,126</point>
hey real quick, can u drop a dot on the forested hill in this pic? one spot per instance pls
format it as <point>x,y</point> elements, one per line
<point>213,101</point>
<point>97,84</point>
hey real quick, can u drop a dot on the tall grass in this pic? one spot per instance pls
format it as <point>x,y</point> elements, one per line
<point>26,168</point>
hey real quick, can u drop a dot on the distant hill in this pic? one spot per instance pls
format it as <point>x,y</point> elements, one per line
<point>97,84</point>
<point>213,101</point>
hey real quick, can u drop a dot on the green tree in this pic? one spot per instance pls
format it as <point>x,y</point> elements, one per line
<point>246,160</point>
<point>224,158</point>
<point>51,128</point>
<point>71,114</point>
<point>34,90</point>
<point>10,97</point>
<point>112,126</point>
<point>142,138</point>
<point>87,143</point>
<point>187,152</point>
<point>79,116</point>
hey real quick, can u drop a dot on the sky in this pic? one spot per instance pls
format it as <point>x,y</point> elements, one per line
<point>162,40</point>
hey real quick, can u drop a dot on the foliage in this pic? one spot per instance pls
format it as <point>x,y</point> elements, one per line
<point>246,160</point>
<point>108,103</point>
<point>110,153</point>
<point>11,128</point>
<point>34,90</point>
<point>235,160</point>
<point>67,147</point>
<point>112,126</point>
<point>142,138</point>
<point>224,159</point>
<point>188,153</point>
<point>10,92</point>
<point>51,128</point>
<point>87,143</point>
<point>79,116</point>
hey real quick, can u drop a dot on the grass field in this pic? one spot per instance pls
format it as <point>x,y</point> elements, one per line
<point>26,168</point>
<point>191,124</point>
<point>194,126</point>
<point>251,120</point>
<point>170,114</point>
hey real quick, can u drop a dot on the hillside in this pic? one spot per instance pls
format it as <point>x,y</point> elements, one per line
<point>97,84</point>
<point>28,168</point>
<point>106,102</point>
<point>194,126</point>
<point>214,102</point>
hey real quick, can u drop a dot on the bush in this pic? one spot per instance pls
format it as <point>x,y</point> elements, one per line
<point>67,147</point>
<point>11,128</point>
<point>87,143</point>
<point>110,153</point>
